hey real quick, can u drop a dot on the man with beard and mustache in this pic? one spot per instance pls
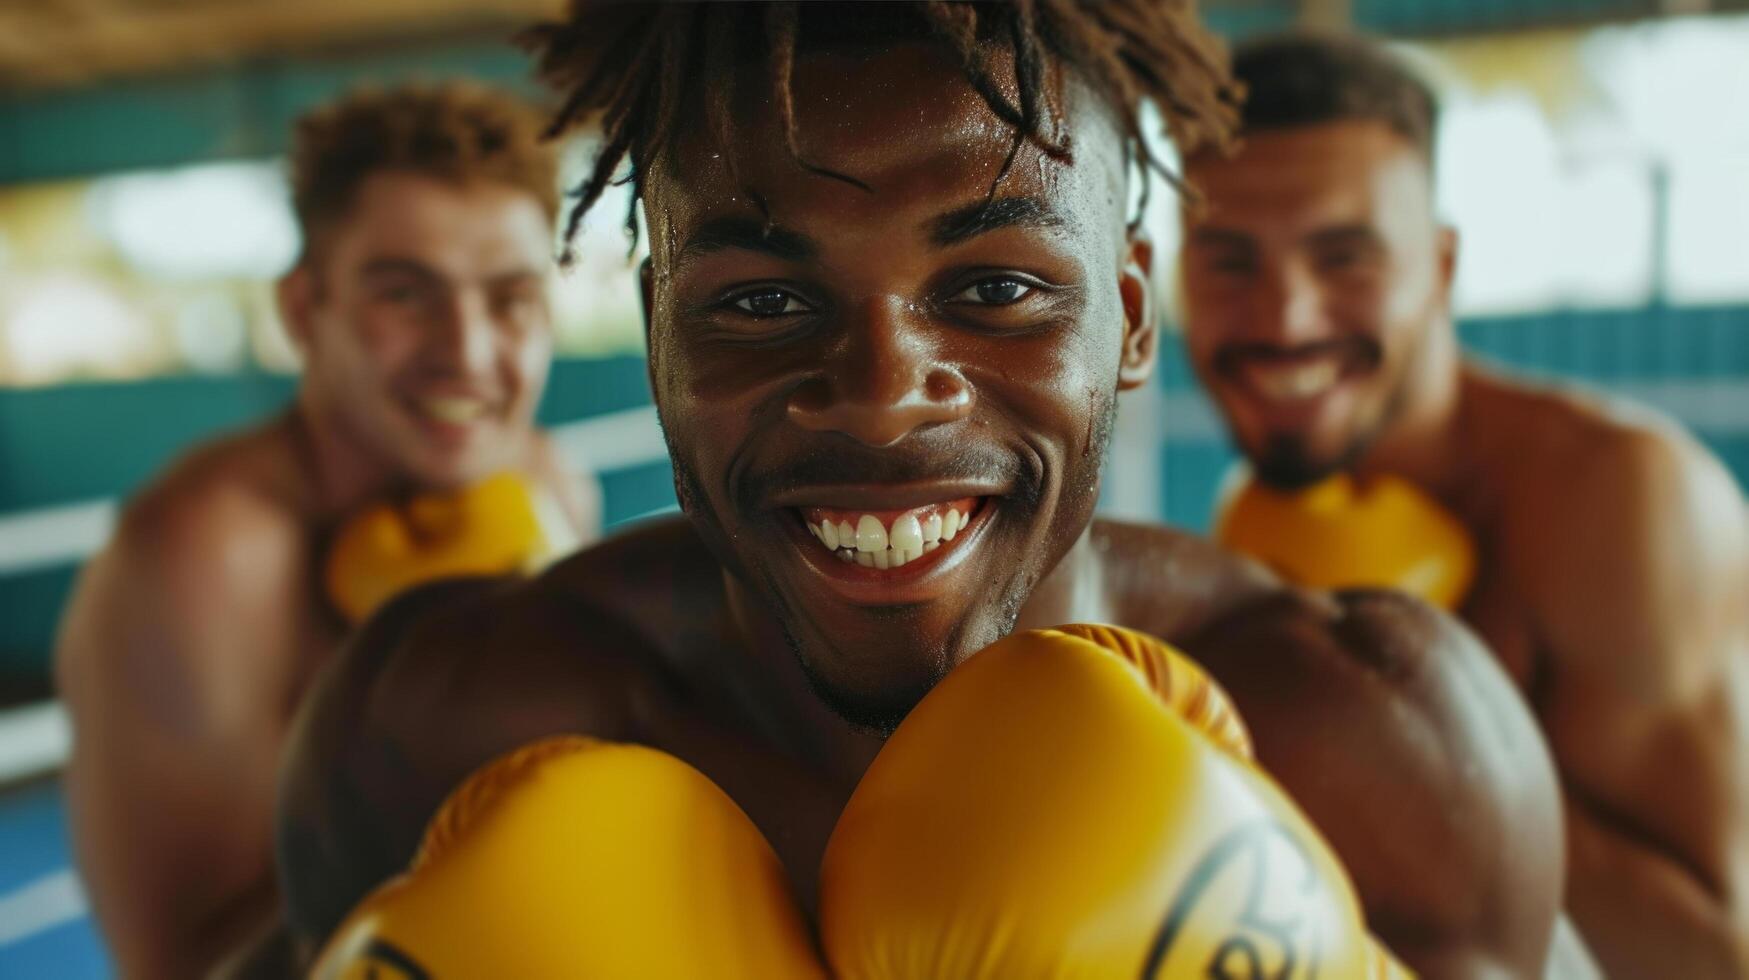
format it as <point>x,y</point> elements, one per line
<point>1610,546</point>
<point>892,297</point>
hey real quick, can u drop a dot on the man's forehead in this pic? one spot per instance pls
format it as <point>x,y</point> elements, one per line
<point>476,228</point>
<point>1337,166</point>
<point>902,121</point>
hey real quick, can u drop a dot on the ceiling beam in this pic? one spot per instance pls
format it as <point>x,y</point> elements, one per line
<point>1327,15</point>
<point>83,41</point>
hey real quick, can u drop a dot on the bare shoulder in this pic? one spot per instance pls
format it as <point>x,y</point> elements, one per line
<point>1395,730</point>
<point>208,549</point>
<point>1582,456</point>
<point>1652,484</point>
<point>1631,536</point>
<point>224,503</point>
<point>1170,582</point>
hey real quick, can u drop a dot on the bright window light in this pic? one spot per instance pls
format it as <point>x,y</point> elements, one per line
<point>1607,223</point>
<point>1709,230</point>
<point>1681,87</point>
<point>208,222</point>
<point>1500,184</point>
<point>66,325</point>
<point>596,307</point>
<point>212,332</point>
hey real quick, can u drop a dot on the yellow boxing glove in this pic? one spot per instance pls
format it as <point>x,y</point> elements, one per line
<point>573,859</point>
<point>1079,803</point>
<point>1345,533</point>
<point>494,527</point>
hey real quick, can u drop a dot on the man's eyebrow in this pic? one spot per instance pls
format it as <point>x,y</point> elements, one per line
<point>982,217</point>
<point>1221,238</point>
<point>519,273</point>
<point>395,265</point>
<point>1339,235</point>
<point>750,235</point>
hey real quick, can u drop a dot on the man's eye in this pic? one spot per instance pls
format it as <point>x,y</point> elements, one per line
<point>1340,260</point>
<point>996,292</point>
<point>768,302</point>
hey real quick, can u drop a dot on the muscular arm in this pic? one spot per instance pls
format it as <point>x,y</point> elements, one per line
<point>1640,590</point>
<point>178,661</point>
<point>416,702</point>
<point>1396,733</point>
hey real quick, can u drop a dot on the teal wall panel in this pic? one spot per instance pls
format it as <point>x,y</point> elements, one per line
<point>579,388</point>
<point>1190,474</point>
<point>1240,20</point>
<point>636,492</point>
<point>30,606</point>
<point>1468,16</point>
<point>75,442</point>
<point>234,113</point>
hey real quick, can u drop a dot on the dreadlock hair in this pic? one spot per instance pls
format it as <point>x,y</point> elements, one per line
<point>633,66</point>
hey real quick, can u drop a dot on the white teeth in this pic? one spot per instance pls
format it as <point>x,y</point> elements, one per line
<point>873,545</point>
<point>907,534</point>
<point>453,410</point>
<point>1297,382</point>
<point>870,535</point>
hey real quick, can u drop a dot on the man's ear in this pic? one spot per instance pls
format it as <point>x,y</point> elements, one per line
<point>1141,330</point>
<point>1447,245</point>
<point>296,295</point>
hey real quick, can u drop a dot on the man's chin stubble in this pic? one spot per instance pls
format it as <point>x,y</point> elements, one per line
<point>879,713</point>
<point>1285,465</point>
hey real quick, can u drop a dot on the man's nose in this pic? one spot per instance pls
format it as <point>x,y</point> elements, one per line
<point>881,380</point>
<point>464,335</point>
<point>1288,306</point>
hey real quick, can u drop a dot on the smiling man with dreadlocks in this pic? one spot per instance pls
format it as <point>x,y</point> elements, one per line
<point>894,291</point>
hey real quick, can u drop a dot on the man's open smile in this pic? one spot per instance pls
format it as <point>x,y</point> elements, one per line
<point>888,545</point>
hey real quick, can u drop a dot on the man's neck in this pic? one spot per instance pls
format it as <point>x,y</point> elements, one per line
<point>1074,591</point>
<point>791,707</point>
